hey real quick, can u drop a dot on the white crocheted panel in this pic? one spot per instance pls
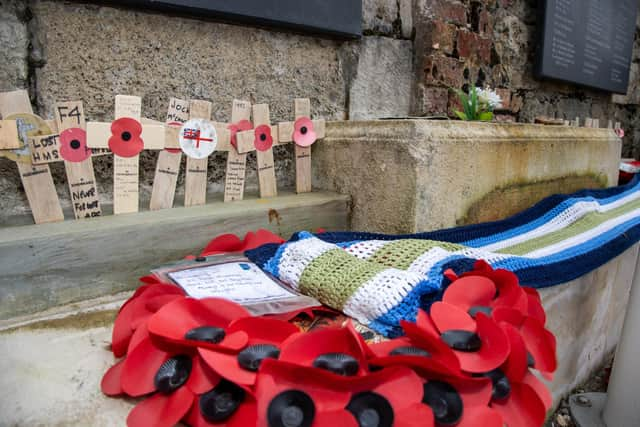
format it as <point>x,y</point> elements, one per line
<point>380,294</point>
<point>585,236</point>
<point>366,249</point>
<point>425,262</point>
<point>562,220</point>
<point>297,256</point>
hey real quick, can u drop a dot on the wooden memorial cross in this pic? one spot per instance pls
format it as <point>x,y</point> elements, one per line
<point>36,179</point>
<point>126,138</point>
<point>168,165</point>
<point>303,132</point>
<point>236,161</point>
<point>617,128</point>
<point>198,141</point>
<point>224,135</point>
<point>69,145</point>
<point>261,138</point>
<point>591,123</point>
<point>9,138</point>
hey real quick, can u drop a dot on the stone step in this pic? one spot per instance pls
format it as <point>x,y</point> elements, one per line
<point>47,265</point>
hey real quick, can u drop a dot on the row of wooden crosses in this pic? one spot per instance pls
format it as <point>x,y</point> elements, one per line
<point>33,143</point>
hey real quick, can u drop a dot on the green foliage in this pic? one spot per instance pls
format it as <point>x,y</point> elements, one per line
<point>473,108</point>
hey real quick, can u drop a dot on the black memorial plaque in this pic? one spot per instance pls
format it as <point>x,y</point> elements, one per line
<point>333,18</point>
<point>588,42</point>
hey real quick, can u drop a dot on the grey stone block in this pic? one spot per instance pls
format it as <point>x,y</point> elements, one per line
<point>383,79</point>
<point>14,43</point>
<point>378,16</point>
<point>417,175</point>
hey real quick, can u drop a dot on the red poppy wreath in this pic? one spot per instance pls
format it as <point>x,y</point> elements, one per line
<point>473,360</point>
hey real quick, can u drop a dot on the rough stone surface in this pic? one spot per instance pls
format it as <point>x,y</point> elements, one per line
<point>417,175</point>
<point>14,39</point>
<point>92,53</point>
<point>434,100</point>
<point>383,80</point>
<point>495,46</point>
<point>379,16</point>
<point>586,316</point>
<point>406,18</point>
<point>443,71</point>
<point>413,52</point>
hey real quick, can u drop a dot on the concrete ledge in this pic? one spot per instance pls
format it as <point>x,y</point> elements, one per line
<point>45,265</point>
<point>586,316</point>
<point>417,175</point>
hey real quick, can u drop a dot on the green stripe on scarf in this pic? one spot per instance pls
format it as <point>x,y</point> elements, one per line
<point>586,223</point>
<point>401,254</point>
<point>335,275</point>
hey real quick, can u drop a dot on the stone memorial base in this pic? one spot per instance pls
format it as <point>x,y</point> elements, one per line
<point>401,176</point>
<point>419,175</point>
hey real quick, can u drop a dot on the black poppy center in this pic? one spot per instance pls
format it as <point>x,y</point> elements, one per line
<point>303,130</point>
<point>291,408</point>
<point>251,357</point>
<point>409,351</point>
<point>221,402</point>
<point>501,385</point>
<point>263,137</point>
<point>466,341</point>
<point>75,144</point>
<point>531,361</point>
<point>371,410</point>
<point>338,363</point>
<point>479,309</point>
<point>444,401</point>
<point>210,334</point>
<point>126,136</point>
<point>172,374</point>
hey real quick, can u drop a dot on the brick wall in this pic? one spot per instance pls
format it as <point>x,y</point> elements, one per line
<point>459,43</point>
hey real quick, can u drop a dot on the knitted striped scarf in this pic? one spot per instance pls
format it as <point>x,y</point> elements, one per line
<point>381,279</point>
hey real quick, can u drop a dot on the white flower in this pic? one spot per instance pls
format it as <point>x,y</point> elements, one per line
<point>489,97</point>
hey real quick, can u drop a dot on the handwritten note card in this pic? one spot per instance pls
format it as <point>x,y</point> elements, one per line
<point>242,282</point>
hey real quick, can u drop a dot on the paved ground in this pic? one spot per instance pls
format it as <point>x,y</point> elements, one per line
<point>597,383</point>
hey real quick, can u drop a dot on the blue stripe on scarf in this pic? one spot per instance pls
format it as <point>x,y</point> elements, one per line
<point>544,219</point>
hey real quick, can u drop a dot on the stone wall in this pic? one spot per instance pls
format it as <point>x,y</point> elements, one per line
<point>492,42</point>
<point>412,51</point>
